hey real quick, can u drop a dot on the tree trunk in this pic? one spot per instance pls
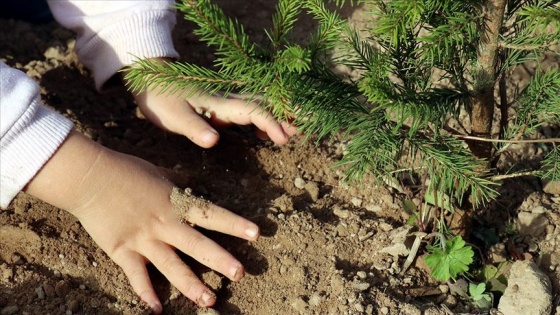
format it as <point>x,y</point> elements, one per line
<point>482,99</point>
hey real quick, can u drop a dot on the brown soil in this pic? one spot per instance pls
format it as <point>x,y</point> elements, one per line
<point>321,250</point>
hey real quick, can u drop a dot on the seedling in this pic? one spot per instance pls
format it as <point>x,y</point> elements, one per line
<point>450,259</point>
<point>418,69</point>
<point>479,296</point>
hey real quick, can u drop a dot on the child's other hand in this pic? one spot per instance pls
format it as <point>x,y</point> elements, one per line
<point>173,113</point>
<point>124,204</point>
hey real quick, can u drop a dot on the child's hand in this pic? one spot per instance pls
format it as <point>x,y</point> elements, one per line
<point>173,113</point>
<point>124,204</point>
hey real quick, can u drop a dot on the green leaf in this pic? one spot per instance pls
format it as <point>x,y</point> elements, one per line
<point>449,262</point>
<point>493,276</point>
<point>477,290</point>
<point>439,199</point>
<point>409,206</point>
<point>480,298</point>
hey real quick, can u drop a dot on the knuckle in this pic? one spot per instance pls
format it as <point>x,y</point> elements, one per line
<point>170,263</point>
<point>235,224</point>
<point>193,242</point>
<point>136,275</point>
<point>191,285</point>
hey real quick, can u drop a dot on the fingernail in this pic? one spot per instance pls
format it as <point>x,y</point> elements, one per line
<point>235,272</point>
<point>252,231</point>
<point>156,308</point>
<point>209,136</point>
<point>207,298</point>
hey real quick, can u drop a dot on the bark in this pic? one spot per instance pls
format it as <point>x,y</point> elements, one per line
<point>482,100</point>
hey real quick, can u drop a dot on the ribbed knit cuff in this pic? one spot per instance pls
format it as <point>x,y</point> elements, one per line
<point>144,35</point>
<point>32,141</point>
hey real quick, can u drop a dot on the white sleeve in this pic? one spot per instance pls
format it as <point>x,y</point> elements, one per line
<point>29,132</point>
<point>112,34</point>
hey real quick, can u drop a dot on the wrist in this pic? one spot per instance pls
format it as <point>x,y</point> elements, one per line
<point>63,180</point>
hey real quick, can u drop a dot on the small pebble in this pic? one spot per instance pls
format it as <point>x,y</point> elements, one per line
<point>361,286</point>
<point>359,307</point>
<point>373,208</point>
<point>450,301</point>
<point>40,293</point>
<point>9,310</point>
<point>207,311</point>
<point>343,214</point>
<point>361,274</point>
<point>299,183</point>
<point>299,305</point>
<point>315,299</point>
<point>384,310</point>
<point>49,290</point>
<point>357,202</point>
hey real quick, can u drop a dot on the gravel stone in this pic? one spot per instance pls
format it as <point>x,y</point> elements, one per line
<point>531,224</point>
<point>343,214</point>
<point>357,202</point>
<point>40,293</point>
<point>528,291</point>
<point>361,286</point>
<point>299,183</point>
<point>551,187</point>
<point>9,310</point>
<point>299,305</point>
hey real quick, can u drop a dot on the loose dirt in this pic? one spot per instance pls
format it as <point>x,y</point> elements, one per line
<point>327,247</point>
<point>184,201</point>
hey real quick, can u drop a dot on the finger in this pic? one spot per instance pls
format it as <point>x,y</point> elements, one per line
<point>181,118</point>
<point>240,112</point>
<point>179,274</point>
<point>289,128</point>
<point>204,250</point>
<point>265,122</point>
<point>195,128</point>
<point>212,217</point>
<point>261,135</point>
<point>134,267</point>
<point>245,114</point>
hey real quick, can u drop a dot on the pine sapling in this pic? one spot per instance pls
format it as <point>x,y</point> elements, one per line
<point>431,91</point>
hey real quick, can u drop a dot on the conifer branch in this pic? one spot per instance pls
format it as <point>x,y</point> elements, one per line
<point>283,21</point>
<point>176,78</point>
<point>550,166</point>
<point>548,140</point>
<point>498,178</point>
<point>216,28</point>
<point>505,45</point>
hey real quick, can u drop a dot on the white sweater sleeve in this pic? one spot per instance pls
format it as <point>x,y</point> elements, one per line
<point>29,132</point>
<point>113,34</point>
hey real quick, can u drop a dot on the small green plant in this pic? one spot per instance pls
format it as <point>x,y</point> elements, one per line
<point>479,296</point>
<point>493,276</point>
<point>450,259</point>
